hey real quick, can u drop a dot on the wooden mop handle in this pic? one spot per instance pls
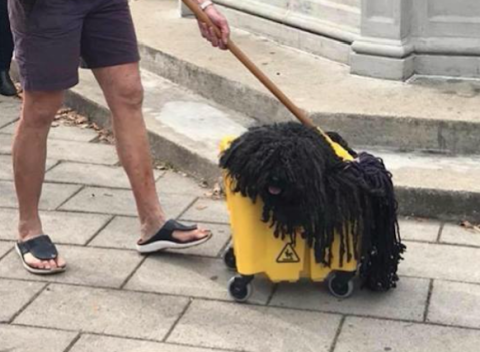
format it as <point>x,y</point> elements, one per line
<point>240,55</point>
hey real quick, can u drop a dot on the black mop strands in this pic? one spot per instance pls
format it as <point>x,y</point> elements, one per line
<point>307,189</point>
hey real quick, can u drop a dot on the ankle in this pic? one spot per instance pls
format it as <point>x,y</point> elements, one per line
<point>150,227</point>
<point>29,229</point>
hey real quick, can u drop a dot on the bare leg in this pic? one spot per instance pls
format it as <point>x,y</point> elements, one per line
<point>29,156</point>
<point>124,94</point>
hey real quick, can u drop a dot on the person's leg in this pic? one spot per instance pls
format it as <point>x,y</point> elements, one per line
<point>123,91</point>
<point>29,156</point>
<point>109,47</point>
<point>47,49</point>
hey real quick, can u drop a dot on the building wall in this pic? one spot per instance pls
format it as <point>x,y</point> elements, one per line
<point>391,39</point>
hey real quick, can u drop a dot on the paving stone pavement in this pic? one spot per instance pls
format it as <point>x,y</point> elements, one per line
<point>112,299</point>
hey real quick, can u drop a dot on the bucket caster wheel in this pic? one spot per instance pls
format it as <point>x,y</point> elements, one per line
<point>229,259</point>
<point>240,288</point>
<point>339,286</point>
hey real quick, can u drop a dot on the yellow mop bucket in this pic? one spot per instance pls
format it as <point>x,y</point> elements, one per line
<point>256,250</point>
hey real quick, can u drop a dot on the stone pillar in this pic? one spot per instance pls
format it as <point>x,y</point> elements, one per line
<point>384,48</point>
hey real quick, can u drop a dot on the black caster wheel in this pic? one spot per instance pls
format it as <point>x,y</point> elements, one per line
<point>339,287</point>
<point>240,288</point>
<point>229,259</point>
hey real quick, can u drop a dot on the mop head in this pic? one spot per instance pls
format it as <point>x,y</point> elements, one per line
<point>307,189</point>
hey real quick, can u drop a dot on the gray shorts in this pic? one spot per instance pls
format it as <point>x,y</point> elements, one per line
<point>52,37</point>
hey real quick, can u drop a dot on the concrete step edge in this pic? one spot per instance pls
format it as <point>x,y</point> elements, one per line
<point>162,148</point>
<point>417,202</point>
<point>403,133</point>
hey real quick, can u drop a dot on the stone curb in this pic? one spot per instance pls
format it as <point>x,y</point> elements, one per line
<point>403,132</point>
<point>162,148</point>
<point>428,203</point>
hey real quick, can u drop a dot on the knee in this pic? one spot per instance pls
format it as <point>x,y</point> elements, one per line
<point>39,109</point>
<point>130,95</point>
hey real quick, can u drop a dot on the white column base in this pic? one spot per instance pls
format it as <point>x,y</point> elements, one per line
<point>382,67</point>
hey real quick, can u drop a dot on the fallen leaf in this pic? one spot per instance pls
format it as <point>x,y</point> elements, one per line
<point>467,224</point>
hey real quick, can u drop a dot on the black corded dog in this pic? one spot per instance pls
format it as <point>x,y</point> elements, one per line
<point>306,187</point>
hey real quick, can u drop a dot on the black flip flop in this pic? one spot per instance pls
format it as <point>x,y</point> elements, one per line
<point>42,248</point>
<point>163,239</point>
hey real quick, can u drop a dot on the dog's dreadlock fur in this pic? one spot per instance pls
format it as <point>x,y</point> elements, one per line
<point>319,195</point>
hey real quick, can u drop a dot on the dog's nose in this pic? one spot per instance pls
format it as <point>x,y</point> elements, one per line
<point>274,190</point>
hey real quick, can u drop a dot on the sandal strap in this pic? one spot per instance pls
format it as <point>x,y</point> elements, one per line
<point>167,230</point>
<point>40,247</point>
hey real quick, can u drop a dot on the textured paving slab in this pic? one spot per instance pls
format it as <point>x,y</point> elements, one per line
<point>53,195</point>
<point>455,304</point>
<point>123,232</point>
<point>100,311</point>
<point>406,302</point>
<point>6,167</point>
<point>459,235</point>
<point>253,328</point>
<point>5,143</point>
<point>5,247</point>
<point>71,151</point>
<point>63,132</point>
<point>191,276</point>
<point>67,228</point>
<point>5,120</point>
<point>441,262</point>
<point>121,202</point>
<point>14,295</point>
<point>173,182</point>
<point>27,339</point>
<point>82,152</point>
<point>367,335</point>
<point>208,210</point>
<point>419,230</point>
<point>90,343</point>
<point>10,108</point>
<point>90,175</point>
<point>86,266</point>
<point>72,133</point>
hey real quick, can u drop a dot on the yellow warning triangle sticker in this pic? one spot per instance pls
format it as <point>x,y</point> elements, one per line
<point>288,255</point>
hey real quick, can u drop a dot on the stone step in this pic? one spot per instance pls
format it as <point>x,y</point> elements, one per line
<point>424,114</point>
<point>185,130</point>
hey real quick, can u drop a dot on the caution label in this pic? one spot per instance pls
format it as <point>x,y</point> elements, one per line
<point>288,255</point>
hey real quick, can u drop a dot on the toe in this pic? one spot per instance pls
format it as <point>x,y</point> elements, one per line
<point>52,264</point>
<point>61,262</point>
<point>202,233</point>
